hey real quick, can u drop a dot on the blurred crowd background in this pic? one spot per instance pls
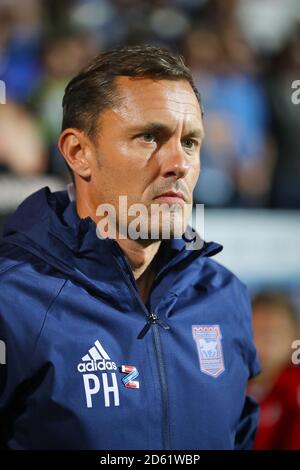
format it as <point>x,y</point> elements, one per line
<point>244,55</point>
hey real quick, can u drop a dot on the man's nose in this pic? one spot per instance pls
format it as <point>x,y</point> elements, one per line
<point>173,161</point>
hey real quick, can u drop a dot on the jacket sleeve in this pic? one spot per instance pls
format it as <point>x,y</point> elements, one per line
<point>23,308</point>
<point>247,425</point>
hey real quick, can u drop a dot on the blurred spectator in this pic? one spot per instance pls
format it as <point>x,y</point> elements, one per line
<point>22,150</point>
<point>267,24</point>
<point>20,34</point>
<point>249,116</point>
<point>235,151</point>
<point>277,388</point>
<point>103,19</point>
<point>284,70</point>
<point>64,55</point>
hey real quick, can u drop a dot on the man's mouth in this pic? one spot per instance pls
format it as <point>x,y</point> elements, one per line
<point>170,197</point>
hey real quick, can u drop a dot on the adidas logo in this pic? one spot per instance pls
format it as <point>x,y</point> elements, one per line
<point>105,383</point>
<point>96,359</point>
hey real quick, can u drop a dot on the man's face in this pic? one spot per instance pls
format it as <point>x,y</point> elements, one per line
<point>274,332</point>
<point>148,144</point>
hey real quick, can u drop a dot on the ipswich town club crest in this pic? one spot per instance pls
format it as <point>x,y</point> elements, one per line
<point>209,347</point>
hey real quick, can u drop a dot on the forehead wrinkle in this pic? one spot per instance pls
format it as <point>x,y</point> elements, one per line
<point>168,97</point>
<point>160,90</point>
<point>178,108</point>
<point>175,115</point>
<point>180,104</point>
<point>171,95</point>
<point>173,111</point>
<point>131,105</point>
<point>125,108</point>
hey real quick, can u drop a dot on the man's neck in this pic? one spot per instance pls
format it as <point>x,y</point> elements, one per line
<point>139,256</point>
<point>141,261</point>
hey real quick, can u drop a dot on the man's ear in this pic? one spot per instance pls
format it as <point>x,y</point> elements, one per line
<point>76,150</point>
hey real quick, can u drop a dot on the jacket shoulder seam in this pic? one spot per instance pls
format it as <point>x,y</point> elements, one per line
<point>12,266</point>
<point>52,302</point>
<point>19,263</point>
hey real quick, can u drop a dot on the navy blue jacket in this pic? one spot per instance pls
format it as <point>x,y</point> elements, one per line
<point>87,365</point>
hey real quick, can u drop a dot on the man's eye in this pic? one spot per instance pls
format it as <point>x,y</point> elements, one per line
<point>189,143</point>
<point>147,137</point>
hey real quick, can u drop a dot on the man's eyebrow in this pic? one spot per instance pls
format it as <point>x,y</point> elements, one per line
<point>197,133</point>
<point>160,128</point>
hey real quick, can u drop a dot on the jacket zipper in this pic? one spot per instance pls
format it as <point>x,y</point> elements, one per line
<point>164,387</point>
<point>152,319</point>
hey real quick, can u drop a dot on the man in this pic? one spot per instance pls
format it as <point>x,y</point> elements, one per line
<point>277,389</point>
<point>115,342</point>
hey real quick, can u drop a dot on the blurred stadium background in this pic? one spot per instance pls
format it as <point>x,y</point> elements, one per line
<point>244,54</point>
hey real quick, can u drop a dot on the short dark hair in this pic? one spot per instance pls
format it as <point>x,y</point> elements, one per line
<point>94,89</point>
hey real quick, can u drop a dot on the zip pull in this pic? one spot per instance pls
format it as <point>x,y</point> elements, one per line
<point>152,318</point>
<point>164,325</point>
